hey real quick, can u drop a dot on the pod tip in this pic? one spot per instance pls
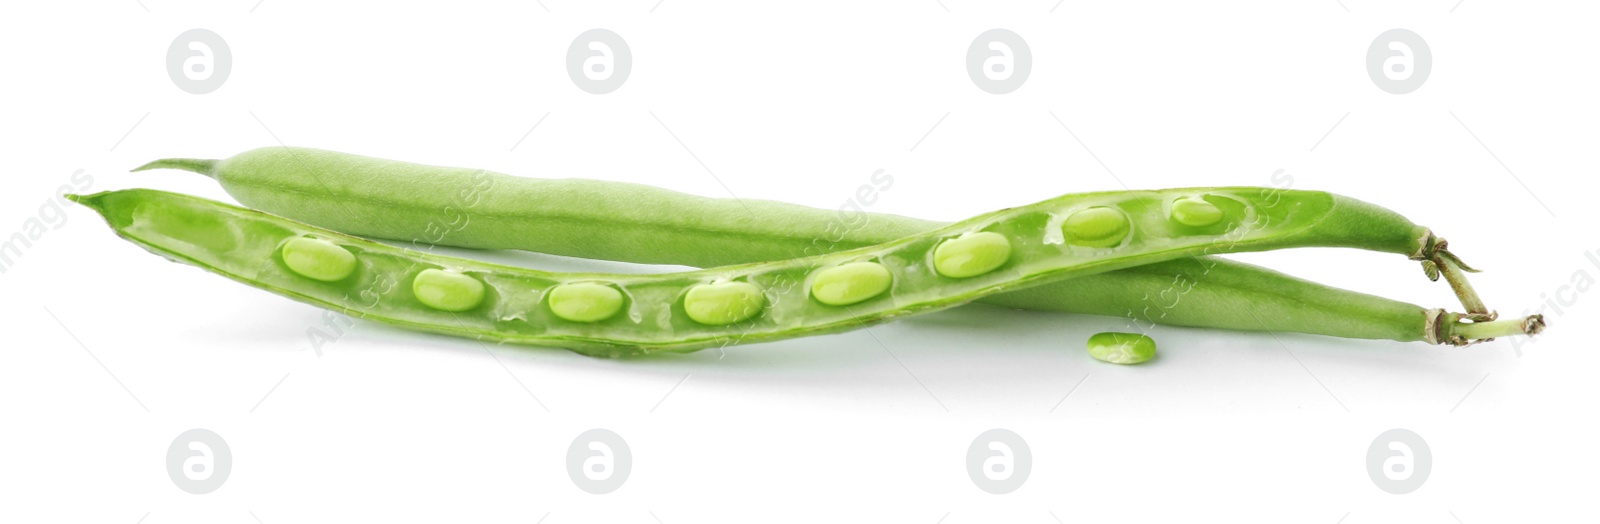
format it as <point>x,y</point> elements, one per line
<point>197,165</point>
<point>84,200</point>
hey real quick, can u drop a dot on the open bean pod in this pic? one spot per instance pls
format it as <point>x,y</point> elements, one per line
<point>611,315</point>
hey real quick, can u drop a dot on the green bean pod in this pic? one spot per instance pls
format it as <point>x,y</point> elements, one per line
<point>697,309</point>
<point>381,198</point>
<point>635,223</point>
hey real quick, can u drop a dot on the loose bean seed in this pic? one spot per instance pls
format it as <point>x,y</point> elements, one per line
<point>447,290</point>
<point>317,259</point>
<point>1096,227</point>
<point>1122,348</point>
<point>971,255</point>
<point>1195,211</point>
<point>723,303</point>
<point>851,283</point>
<point>585,301</point>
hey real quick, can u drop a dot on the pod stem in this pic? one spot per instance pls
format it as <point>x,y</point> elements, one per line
<point>203,166</point>
<point>1437,261</point>
<point>1461,330</point>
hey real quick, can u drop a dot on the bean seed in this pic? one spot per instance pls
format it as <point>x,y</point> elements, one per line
<point>447,290</point>
<point>585,301</point>
<point>851,283</point>
<point>1122,348</point>
<point>971,255</point>
<point>317,259</point>
<point>1195,211</point>
<point>1096,227</point>
<point>723,303</point>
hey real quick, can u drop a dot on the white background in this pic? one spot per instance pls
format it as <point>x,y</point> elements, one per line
<point>109,353</point>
